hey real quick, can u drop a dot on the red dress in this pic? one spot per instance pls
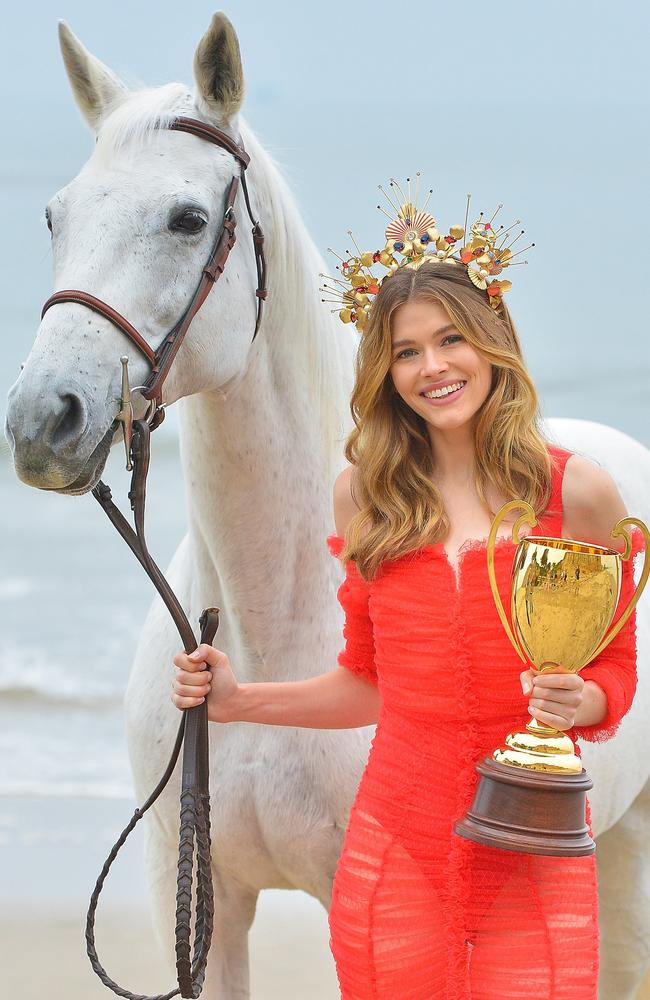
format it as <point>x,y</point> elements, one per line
<point>417,912</point>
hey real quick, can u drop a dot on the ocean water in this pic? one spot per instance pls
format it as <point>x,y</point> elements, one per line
<point>72,600</point>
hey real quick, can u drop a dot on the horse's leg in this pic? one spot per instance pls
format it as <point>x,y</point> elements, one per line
<point>161,868</point>
<point>624,893</point>
<point>228,973</point>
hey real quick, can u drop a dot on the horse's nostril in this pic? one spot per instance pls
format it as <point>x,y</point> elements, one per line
<point>70,420</point>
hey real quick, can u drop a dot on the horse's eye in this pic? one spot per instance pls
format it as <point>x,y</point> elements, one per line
<point>189,221</point>
<point>48,219</point>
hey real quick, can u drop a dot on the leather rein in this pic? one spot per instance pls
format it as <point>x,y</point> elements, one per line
<point>192,736</point>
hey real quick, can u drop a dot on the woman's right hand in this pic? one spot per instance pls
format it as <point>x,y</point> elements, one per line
<point>205,674</point>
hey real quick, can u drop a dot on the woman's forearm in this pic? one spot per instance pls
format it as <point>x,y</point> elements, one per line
<point>336,700</point>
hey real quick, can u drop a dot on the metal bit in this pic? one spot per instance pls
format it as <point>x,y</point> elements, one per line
<point>125,416</point>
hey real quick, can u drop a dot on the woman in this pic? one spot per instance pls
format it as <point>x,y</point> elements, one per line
<point>446,432</point>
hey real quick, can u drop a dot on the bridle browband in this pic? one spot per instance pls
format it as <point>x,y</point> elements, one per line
<point>194,858</point>
<point>162,357</point>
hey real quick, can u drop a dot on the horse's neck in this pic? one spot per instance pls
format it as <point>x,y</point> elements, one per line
<point>259,513</point>
<point>259,462</point>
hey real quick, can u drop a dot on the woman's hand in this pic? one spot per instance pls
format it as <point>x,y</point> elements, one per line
<point>193,683</point>
<point>555,698</point>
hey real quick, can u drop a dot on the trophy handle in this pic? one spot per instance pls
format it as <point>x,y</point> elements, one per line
<point>620,531</point>
<point>528,517</point>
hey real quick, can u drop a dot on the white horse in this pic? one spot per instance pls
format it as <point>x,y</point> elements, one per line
<point>261,434</point>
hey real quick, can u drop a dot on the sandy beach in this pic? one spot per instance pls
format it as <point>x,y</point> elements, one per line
<point>46,956</point>
<point>51,850</point>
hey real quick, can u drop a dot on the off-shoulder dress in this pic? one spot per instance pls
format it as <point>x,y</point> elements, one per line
<point>419,913</point>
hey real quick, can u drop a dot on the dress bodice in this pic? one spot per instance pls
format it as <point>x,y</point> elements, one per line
<point>434,641</point>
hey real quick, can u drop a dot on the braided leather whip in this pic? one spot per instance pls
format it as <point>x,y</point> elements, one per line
<point>193,737</point>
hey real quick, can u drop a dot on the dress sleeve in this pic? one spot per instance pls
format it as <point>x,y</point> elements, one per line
<point>615,669</point>
<point>358,654</point>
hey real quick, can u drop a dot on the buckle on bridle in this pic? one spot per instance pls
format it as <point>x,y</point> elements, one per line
<point>125,414</point>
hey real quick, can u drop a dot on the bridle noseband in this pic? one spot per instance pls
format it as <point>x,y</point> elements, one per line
<point>162,357</point>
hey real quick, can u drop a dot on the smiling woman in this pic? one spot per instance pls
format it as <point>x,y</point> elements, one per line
<point>436,359</point>
<point>447,430</point>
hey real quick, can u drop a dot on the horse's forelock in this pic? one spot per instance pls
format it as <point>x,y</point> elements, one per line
<point>137,118</point>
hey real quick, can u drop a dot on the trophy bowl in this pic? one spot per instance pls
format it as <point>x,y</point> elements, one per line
<point>531,796</point>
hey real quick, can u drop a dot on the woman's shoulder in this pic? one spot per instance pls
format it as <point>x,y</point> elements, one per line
<point>591,502</point>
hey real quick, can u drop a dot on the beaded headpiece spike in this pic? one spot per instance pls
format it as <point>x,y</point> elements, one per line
<point>412,240</point>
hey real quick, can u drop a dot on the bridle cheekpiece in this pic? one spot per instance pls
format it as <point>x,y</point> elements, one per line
<point>161,359</point>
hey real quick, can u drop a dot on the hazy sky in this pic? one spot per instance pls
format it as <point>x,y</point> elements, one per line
<point>542,106</point>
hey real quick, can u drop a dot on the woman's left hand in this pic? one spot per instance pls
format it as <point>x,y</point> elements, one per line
<point>554,697</point>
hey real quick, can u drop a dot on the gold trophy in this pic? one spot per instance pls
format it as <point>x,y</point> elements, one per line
<point>532,794</point>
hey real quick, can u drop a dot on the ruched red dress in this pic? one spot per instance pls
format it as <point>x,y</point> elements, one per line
<point>417,912</point>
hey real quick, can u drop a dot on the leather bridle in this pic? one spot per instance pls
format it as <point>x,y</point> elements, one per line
<point>162,357</point>
<point>194,859</point>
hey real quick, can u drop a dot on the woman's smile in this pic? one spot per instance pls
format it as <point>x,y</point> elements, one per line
<point>445,393</point>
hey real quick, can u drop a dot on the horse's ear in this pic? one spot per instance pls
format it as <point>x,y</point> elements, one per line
<point>96,89</point>
<point>218,71</point>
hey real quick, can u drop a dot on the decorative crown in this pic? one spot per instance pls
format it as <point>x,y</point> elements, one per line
<point>413,239</point>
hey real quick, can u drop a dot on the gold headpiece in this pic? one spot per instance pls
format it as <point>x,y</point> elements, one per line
<point>412,236</point>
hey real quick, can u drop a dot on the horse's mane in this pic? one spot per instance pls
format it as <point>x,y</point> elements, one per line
<point>315,345</point>
<point>322,348</point>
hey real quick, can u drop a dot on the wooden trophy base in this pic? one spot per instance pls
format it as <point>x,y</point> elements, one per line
<point>531,812</point>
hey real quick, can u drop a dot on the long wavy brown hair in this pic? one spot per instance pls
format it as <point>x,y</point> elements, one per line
<point>393,481</point>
